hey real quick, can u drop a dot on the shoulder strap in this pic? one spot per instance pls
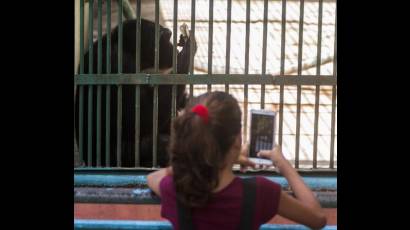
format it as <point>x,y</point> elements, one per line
<point>248,203</point>
<point>184,217</point>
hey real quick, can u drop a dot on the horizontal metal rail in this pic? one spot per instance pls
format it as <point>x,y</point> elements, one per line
<point>90,180</point>
<point>171,79</point>
<point>141,171</point>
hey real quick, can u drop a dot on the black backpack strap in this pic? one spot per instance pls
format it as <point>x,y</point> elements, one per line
<point>248,203</point>
<point>247,213</point>
<point>184,217</point>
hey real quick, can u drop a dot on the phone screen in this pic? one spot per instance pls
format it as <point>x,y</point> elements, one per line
<point>262,133</point>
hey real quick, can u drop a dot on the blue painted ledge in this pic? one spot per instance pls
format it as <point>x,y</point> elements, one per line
<point>81,224</point>
<point>107,180</point>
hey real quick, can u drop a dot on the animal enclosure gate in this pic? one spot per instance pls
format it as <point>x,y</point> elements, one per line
<point>259,82</point>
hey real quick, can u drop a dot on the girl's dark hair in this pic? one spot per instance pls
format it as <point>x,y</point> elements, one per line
<point>198,150</point>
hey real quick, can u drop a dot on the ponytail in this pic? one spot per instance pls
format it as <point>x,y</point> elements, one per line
<point>200,140</point>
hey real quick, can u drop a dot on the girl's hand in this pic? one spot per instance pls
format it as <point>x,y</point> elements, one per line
<point>243,159</point>
<point>154,179</point>
<point>275,155</point>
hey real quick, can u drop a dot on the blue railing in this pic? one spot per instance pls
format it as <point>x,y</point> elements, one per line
<point>163,225</point>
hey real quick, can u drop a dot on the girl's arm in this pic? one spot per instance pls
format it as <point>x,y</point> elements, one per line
<point>305,209</point>
<point>154,178</point>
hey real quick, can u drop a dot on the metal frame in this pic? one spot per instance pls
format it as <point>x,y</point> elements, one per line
<point>94,79</point>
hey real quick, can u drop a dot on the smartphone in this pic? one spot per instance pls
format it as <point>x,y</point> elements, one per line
<point>262,134</point>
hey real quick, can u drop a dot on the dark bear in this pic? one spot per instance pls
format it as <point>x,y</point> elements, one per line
<point>128,96</point>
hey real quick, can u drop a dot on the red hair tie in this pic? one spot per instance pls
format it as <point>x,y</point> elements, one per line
<point>202,111</point>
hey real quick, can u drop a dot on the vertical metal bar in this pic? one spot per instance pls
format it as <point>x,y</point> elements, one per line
<point>191,54</point>
<point>99,71</point>
<point>156,60</point>
<point>99,64</point>
<point>245,92</point>
<point>155,128</point>
<point>175,36</point>
<point>174,61</point>
<point>108,89</point>
<point>138,37</point>
<point>299,88</point>
<point>119,125</point>
<point>228,41</point>
<point>174,103</point>
<point>81,38</point>
<point>317,96</point>
<point>137,125</point>
<point>107,125</point>
<point>81,123</point>
<point>316,124</point>
<point>155,112</point>
<point>332,131</point>
<point>265,35</point>
<point>245,111</point>
<point>319,38</point>
<point>335,46</point>
<point>191,91</point>
<point>119,92</point>
<point>137,87</point>
<point>90,120</point>
<point>210,38</point>
<point>99,126</point>
<point>248,15</point>
<point>120,37</point>
<point>81,87</point>
<point>90,36</point>
<point>282,70</point>
<point>90,87</point>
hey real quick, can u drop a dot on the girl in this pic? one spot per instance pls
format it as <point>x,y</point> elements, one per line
<point>200,191</point>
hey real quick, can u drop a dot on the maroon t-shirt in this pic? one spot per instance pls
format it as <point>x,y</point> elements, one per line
<point>223,210</point>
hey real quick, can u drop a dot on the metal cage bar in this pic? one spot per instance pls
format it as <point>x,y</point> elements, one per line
<point>334,94</point>
<point>81,88</point>
<point>245,90</point>
<point>191,53</point>
<point>228,40</point>
<point>90,88</point>
<point>317,88</point>
<point>97,79</point>
<point>210,39</point>
<point>119,92</point>
<point>265,34</point>
<point>137,87</point>
<point>282,70</point>
<point>99,71</point>
<point>108,90</point>
<point>299,87</point>
<point>174,61</point>
<point>155,107</point>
